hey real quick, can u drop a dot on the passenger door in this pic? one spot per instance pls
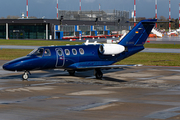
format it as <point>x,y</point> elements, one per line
<point>60,57</point>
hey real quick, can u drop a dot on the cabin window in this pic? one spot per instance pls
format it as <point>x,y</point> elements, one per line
<point>67,52</point>
<point>81,51</point>
<point>38,52</point>
<point>74,51</point>
<point>47,52</point>
<point>59,52</point>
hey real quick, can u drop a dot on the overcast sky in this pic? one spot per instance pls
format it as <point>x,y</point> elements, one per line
<point>47,8</point>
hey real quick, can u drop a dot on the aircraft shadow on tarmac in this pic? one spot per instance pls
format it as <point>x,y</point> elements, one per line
<point>53,73</point>
<point>113,79</point>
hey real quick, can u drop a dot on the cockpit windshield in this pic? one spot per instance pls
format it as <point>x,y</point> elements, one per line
<point>37,52</point>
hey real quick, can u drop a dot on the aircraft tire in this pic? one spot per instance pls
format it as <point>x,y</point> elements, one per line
<point>71,72</point>
<point>98,74</point>
<point>25,76</point>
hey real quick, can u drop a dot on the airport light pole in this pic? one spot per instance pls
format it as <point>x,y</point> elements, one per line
<point>169,15</point>
<point>156,11</point>
<point>134,12</point>
<point>80,5</point>
<point>99,7</point>
<point>179,15</point>
<point>61,20</point>
<point>27,8</point>
<point>96,21</point>
<point>57,10</point>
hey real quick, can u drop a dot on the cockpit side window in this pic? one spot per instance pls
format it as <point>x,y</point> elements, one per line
<point>38,52</point>
<point>59,52</point>
<point>47,52</point>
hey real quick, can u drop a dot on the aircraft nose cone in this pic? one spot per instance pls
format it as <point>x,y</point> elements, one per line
<point>6,67</point>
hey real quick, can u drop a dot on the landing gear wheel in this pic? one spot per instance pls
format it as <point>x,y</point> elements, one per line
<point>98,74</point>
<point>25,76</point>
<point>71,72</point>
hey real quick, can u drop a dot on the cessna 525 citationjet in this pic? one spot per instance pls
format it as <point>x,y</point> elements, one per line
<point>87,56</point>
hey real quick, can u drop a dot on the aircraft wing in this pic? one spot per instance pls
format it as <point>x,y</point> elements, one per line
<point>107,66</point>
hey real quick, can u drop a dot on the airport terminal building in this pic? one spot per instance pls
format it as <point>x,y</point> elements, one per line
<point>71,24</point>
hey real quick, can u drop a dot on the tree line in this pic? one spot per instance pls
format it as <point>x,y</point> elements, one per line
<point>16,17</point>
<point>174,24</point>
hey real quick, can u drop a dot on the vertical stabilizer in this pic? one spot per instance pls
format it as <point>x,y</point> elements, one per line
<point>139,34</point>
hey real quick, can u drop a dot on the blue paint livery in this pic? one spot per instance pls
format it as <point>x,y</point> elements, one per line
<point>81,57</point>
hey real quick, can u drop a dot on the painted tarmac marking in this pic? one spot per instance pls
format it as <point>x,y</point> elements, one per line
<point>94,106</point>
<point>91,92</point>
<point>152,81</point>
<point>165,114</point>
<point>155,77</point>
<point>102,107</point>
<point>29,89</point>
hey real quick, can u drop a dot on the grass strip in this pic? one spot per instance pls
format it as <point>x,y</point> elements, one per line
<point>50,42</point>
<point>36,42</point>
<point>153,59</point>
<point>170,46</point>
<point>10,54</point>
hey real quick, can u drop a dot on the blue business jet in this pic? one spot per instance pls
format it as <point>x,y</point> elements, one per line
<point>84,57</point>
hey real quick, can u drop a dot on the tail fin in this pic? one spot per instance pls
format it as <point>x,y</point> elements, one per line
<point>139,34</point>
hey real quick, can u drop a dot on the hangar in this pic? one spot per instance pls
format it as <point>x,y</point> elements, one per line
<point>24,28</point>
<point>61,28</point>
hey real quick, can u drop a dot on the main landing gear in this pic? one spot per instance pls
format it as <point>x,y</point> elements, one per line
<point>25,76</point>
<point>98,74</point>
<point>71,72</point>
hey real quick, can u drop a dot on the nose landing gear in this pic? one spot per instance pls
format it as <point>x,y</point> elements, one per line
<point>71,72</point>
<point>25,76</point>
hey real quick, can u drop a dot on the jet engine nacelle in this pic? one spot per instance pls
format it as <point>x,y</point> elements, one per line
<point>111,49</point>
